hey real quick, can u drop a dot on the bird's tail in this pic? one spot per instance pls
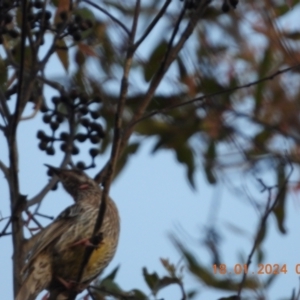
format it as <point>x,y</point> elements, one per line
<point>38,278</point>
<point>27,290</point>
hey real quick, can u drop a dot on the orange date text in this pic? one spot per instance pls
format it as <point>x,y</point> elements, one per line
<point>262,269</point>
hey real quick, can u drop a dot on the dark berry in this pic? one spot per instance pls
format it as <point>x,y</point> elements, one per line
<point>50,151</point>
<point>48,14</point>
<point>83,110</point>
<point>31,17</point>
<point>65,99</point>
<point>43,145</point>
<point>8,18</point>
<point>95,114</point>
<point>72,28</point>
<point>97,99</point>
<point>94,139</point>
<point>94,152</point>
<point>84,26</point>
<point>40,134</point>
<point>84,99</point>
<point>63,147</point>
<point>225,7</point>
<point>234,3</point>
<point>47,119</point>
<point>54,125</point>
<point>64,136</point>
<point>54,188</point>
<point>55,100</point>
<point>44,108</point>
<point>38,4</point>
<point>89,23</point>
<point>59,118</point>
<point>77,36</point>
<point>73,94</point>
<point>13,33</point>
<point>78,19</point>
<point>80,165</point>
<point>85,122</point>
<point>63,15</point>
<point>80,137</point>
<point>50,172</point>
<point>75,150</point>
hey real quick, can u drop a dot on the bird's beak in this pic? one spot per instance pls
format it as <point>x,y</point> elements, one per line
<point>56,171</point>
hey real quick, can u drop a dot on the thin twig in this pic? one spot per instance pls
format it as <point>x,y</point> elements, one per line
<point>152,24</point>
<point>201,98</point>
<point>17,200</point>
<point>40,196</point>
<point>119,295</point>
<point>158,76</point>
<point>115,146</point>
<point>3,232</point>
<point>171,41</point>
<point>117,21</point>
<point>4,169</point>
<point>53,84</point>
<point>4,107</point>
<point>268,211</point>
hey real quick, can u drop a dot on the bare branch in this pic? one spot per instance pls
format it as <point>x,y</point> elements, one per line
<point>152,24</point>
<point>4,169</point>
<point>40,196</point>
<point>163,69</point>
<point>115,146</point>
<point>117,21</point>
<point>51,83</point>
<point>268,210</point>
<point>201,98</point>
<point>4,107</point>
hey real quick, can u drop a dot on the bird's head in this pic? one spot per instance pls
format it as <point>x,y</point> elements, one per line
<point>75,182</point>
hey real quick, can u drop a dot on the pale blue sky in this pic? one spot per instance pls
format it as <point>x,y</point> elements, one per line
<point>155,200</point>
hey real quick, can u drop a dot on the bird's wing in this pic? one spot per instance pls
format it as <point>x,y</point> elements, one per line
<point>54,230</point>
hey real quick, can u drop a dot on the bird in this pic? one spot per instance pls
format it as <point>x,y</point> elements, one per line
<point>56,257</point>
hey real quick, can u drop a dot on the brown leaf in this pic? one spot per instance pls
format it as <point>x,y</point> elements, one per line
<point>87,50</point>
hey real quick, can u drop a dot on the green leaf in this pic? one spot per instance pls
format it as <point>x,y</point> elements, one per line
<point>191,294</point>
<point>155,283</point>
<point>279,210</point>
<point>295,35</point>
<point>85,13</point>
<point>185,156</point>
<point>264,67</point>
<point>110,286</point>
<point>138,295</point>
<point>3,73</point>
<point>206,276</point>
<point>113,274</point>
<point>269,280</point>
<point>261,234</point>
<point>182,69</point>
<point>151,279</point>
<point>155,60</point>
<point>210,156</point>
<point>260,255</point>
<point>62,53</point>
<point>171,269</point>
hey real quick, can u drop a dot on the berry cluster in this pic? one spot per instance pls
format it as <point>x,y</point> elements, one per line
<point>75,26</point>
<point>76,110</point>
<point>228,4</point>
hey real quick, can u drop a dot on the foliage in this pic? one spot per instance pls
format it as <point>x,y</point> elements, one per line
<point>219,89</point>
